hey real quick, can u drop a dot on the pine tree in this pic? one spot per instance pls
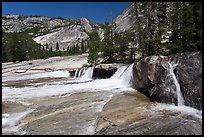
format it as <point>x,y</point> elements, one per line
<point>196,8</point>
<point>73,49</point>
<point>22,51</point>
<point>14,48</point>
<point>189,26</point>
<point>57,46</point>
<point>121,42</point>
<point>4,54</point>
<point>82,46</point>
<point>139,27</point>
<point>68,51</point>
<point>46,46</point>
<point>94,47</point>
<point>108,48</point>
<point>50,52</point>
<point>129,40</point>
<point>77,50</point>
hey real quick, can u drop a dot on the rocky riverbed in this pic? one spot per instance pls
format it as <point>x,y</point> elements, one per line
<point>41,98</point>
<point>129,112</point>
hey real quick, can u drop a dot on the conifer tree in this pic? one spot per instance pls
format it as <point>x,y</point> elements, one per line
<point>57,46</point>
<point>94,47</point>
<point>68,51</point>
<point>107,47</point>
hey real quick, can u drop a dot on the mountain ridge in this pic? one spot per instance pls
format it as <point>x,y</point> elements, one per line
<point>65,32</point>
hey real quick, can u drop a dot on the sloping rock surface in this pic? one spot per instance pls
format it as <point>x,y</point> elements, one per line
<point>134,114</point>
<point>151,77</point>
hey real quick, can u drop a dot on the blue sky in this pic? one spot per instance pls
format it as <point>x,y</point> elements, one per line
<point>97,12</point>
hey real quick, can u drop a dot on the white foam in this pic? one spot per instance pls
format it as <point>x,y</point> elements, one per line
<point>10,121</point>
<point>119,72</point>
<point>123,83</point>
<point>180,98</point>
<point>53,74</point>
<point>90,126</point>
<point>88,74</point>
<point>100,107</point>
<point>126,77</point>
<point>50,90</point>
<point>181,109</point>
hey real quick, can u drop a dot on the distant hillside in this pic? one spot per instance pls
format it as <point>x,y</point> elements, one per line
<point>50,31</point>
<point>143,29</point>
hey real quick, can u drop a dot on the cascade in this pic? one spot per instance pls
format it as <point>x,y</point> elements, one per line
<point>76,72</point>
<point>79,72</point>
<point>88,73</point>
<point>119,72</point>
<point>126,76</point>
<point>180,98</point>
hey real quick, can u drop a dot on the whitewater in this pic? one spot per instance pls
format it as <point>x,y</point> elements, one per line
<point>120,81</point>
<point>81,82</point>
<point>117,81</point>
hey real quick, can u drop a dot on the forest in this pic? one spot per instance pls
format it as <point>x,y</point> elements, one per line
<point>160,28</point>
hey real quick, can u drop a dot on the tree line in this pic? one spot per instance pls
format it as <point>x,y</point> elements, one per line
<point>112,48</point>
<point>19,46</point>
<point>167,27</point>
<point>160,28</point>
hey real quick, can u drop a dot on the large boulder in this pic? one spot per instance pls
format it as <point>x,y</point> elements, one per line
<point>104,71</point>
<point>152,76</point>
<point>189,74</point>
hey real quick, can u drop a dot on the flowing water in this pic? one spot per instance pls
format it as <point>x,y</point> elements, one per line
<point>180,98</point>
<point>76,72</point>
<point>120,81</point>
<point>126,77</point>
<point>119,72</point>
<point>10,122</point>
<point>87,74</point>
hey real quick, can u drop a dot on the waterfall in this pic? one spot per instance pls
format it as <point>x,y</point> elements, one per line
<point>180,98</point>
<point>79,72</point>
<point>119,72</point>
<point>126,77</point>
<point>87,74</point>
<point>76,72</point>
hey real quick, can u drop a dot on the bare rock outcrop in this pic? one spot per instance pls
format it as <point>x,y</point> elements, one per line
<point>133,114</point>
<point>123,22</point>
<point>50,31</point>
<point>151,76</point>
<point>189,73</point>
<point>104,71</point>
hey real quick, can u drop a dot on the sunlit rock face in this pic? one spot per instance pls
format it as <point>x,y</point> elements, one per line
<point>123,22</point>
<point>86,24</point>
<point>189,73</point>
<point>151,76</point>
<point>127,21</point>
<point>131,113</point>
<point>65,32</point>
<point>66,36</point>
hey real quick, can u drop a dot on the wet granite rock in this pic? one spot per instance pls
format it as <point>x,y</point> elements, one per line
<point>151,77</point>
<point>189,74</point>
<point>133,114</point>
<point>103,71</point>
